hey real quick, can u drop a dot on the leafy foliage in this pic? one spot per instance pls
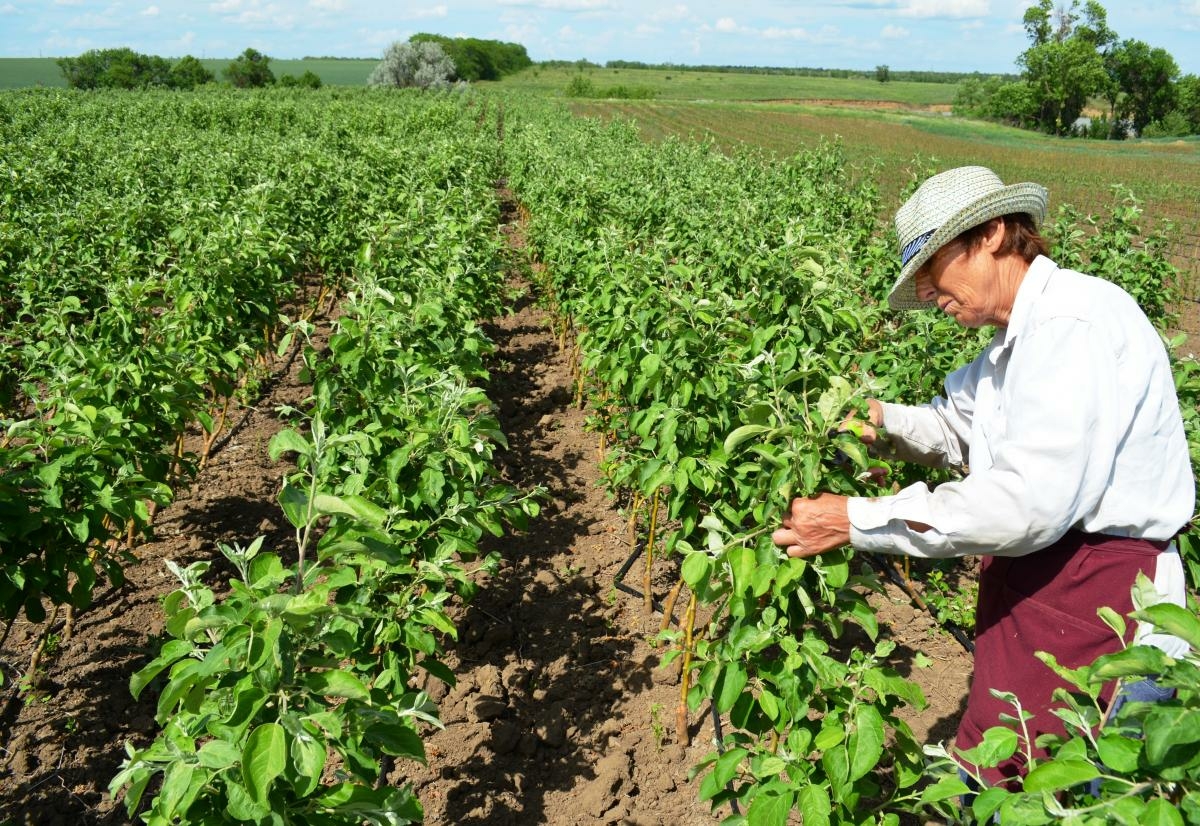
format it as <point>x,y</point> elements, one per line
<point>394,490</point>
<point>727,312</point>
<point>250,70</point>
<point>115,69</point>
<point>476,59</point>
<point>1139,765</point>
<point>422,64</point>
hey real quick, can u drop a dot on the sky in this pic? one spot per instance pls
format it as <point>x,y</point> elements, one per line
<point>938,35</point>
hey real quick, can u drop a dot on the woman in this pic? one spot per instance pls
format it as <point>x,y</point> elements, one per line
<point>1069,427</point>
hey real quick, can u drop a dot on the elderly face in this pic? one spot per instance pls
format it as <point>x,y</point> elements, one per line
<point>964,282</point>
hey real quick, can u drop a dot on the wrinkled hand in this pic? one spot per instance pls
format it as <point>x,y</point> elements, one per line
<point>814,525</point>
<point>865,431</point>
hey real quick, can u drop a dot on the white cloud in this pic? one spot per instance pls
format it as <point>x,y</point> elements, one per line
<point>561,5</point>
<point>327,5</point>
<point>225,6</point>
<point>777,33</point>
<point>646,30</point>
<point>8,8</point>
<point>150,11</point>
<point>567,33</point>
<point>944,8</point>
<point>436,11</point>
<point>1192,7</point>
<point>726,24</point>
<point>187,39</point>
<point>680,12</point>
<point>68,2</point>
<point>891,32</point>
<point>94,22</point>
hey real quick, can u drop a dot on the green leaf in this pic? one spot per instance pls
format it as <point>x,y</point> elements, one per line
<point>742,563</point>
<point>697,567</point>
<point>741,434</point>
<point>171,652</point>
<point>1135,661</point>
<point>998,744</point>
<point>945,789</point>
<point>308,754</point>
<point>218,754</point>
<point>1173,619</point>
<point>1159,812</point>
<point>1172,735</point>
<point>263,759</point>
<point>814,805</point>
<point>768,809</point>
<point>732,682</point>
<point>241,806</point>
<point>294,502</point>
<point>866,741</point>
<point>361,509</point>
<point>1119,753</point>
<point>337,684</point>
<point>1112,619</point>
<point>397,739</point>
<point>724,770</point>
<point>1060,774</point>
<point>288,441</point>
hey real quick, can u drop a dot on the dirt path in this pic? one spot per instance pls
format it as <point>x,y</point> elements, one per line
<point>560,715</point>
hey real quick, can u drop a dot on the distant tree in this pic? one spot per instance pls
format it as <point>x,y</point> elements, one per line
<point>1143,83</point>
<point>189,73</point>
<point>308,80</point>
<point>1188,105</point>
<point>423,64</point>
<point>475,59</point>
<point>115,69</point>
<point>1064,64</point>
<point>882,73</point>
<point>251,69</point>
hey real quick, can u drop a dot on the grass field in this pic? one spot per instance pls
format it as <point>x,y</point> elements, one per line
<point>731,86</point>
<point>23,72</point>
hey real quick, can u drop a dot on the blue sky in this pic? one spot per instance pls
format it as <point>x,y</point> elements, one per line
<point>942,35</point>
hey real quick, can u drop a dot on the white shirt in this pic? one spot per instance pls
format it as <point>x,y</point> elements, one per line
<point>1068,419</point>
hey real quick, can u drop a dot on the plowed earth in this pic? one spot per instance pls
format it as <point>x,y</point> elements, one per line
<point>560,715</point>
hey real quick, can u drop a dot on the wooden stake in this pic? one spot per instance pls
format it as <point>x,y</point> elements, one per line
<point>633,514</point>
<point>647,595</point>
<point>669,605</point>
<point>685,681</point>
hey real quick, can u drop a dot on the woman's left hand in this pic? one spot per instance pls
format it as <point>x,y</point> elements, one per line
<point>814,525</point>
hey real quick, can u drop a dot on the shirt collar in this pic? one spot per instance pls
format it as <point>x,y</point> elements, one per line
<point>1032,286</point>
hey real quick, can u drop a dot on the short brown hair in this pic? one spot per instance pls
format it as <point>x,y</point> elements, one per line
<point>1021,236</point>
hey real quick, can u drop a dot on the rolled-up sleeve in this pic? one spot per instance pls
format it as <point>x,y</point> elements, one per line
<point>1046,468</point>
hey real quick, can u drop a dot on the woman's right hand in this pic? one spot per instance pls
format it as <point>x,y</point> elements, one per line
<point>864,430</point>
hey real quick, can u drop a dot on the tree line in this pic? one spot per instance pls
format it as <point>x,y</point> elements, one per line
<point>1075,61</point>
<point>126,69</point>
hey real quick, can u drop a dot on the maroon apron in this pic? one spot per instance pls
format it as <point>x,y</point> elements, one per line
<point>1046,601</point>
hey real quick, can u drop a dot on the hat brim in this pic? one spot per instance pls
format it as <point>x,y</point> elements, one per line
<point>1027,197</point>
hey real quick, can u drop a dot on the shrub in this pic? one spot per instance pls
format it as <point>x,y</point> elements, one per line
<point>189,73</point>
<point>251,69</point>
<point>424,65</point>
<point>115,69</point>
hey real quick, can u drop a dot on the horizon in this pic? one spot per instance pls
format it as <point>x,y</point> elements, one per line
<point>959,36</point>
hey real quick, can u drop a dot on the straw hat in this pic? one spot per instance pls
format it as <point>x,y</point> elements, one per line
<point>944,207</point>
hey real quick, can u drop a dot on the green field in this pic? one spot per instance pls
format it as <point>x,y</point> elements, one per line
<point>891,145</point>
<point>695,86</point>
<point>23,72</point>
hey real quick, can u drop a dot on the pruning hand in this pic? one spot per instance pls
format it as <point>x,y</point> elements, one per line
<point>814,525</point>
<point>865,431</point>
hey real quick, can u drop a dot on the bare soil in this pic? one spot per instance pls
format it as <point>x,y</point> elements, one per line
<point>560,715</point>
